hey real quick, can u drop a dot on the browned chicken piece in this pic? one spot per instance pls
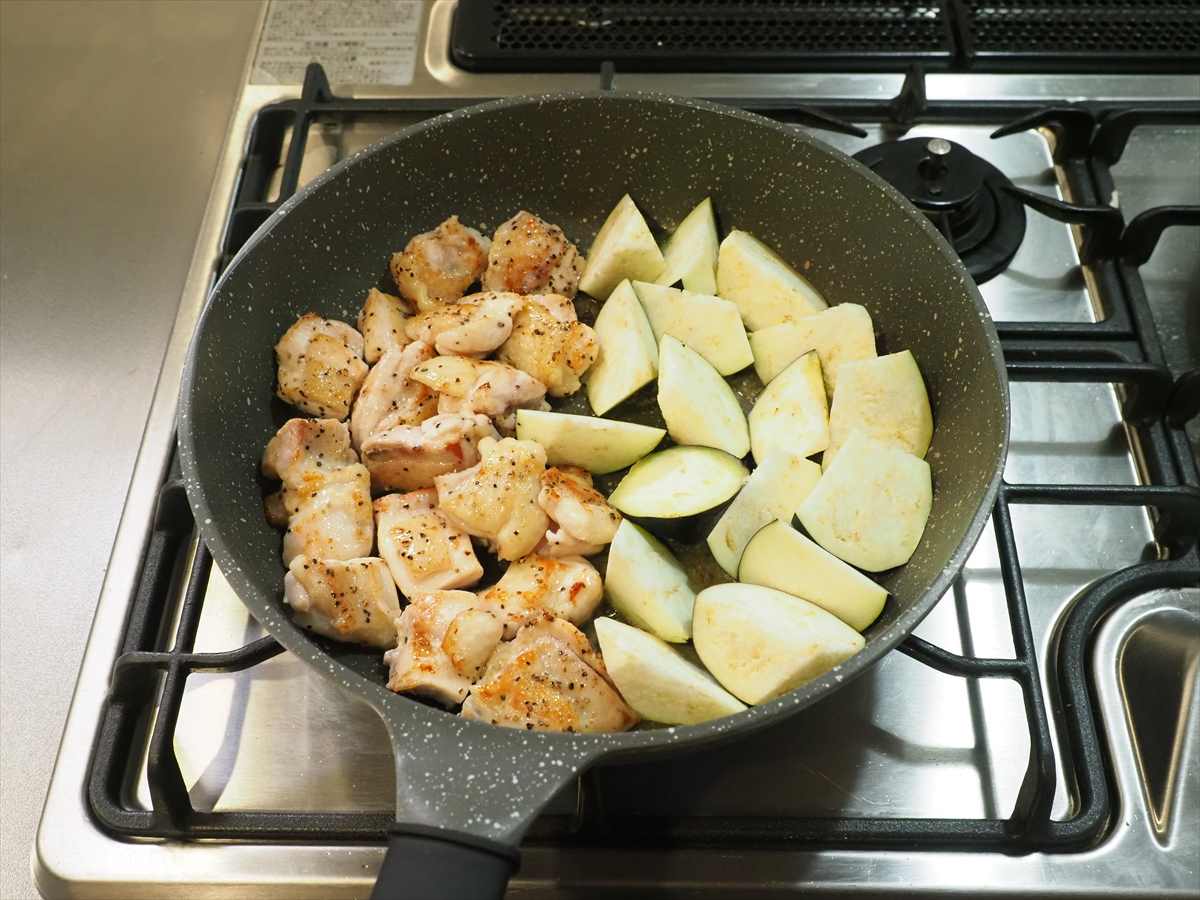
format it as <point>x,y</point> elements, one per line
<point>390,394</point>
<point>497,499</point>
<point>438,266</point>
<point>475,326</point>
<point>548,678</point>
<point>329,515</point>
<point>529,256</point>
<point>381,322</point>
<point>304,444</point>
<point>476,386</point>
<point>444,640</point>
<point>581,513</point>
<point>569,588</point>
<point>422,549</point>
<point>408,457</point>
<point>325,503</point>
<point>350,600</point>
<point>554,352</point>
<point>320,366</point>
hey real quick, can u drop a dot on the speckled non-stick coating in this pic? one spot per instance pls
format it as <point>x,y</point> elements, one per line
<point>568,158</point>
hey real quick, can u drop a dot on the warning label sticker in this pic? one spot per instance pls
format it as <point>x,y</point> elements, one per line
<point>357,41</point>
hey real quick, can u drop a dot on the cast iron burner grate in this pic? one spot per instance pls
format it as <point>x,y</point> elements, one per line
<point>148,681</point>
<point>961,193</point>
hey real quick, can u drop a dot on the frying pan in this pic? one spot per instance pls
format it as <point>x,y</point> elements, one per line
<point>466,791</point>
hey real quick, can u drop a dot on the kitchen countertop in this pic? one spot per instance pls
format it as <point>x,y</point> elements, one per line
<point>111,121</point>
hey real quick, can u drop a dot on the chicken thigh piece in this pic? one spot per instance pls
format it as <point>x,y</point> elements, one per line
<point>553,351</point>
<point>529,255</point>
<point>438,266</point>
<point>329,515</point>
<point>548,678</point>
<point>581,512</point>
<point>381,323</point>
<point>320,366</point>
<point>568,588</point>
<point>422,549</point>
<point>475,326</point>
<point>497,499</point>
<point>301,445</point>
<point>389,393</point>
<point>408,457</point>
<point>469,386</point>
<point>325,502</point>
<point>310,325</point>
<point>350,600</point>
<point>444,640</point>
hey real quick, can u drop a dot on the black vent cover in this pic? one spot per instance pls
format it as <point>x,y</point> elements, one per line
<point>699,35</point>
<point>1092,35</point>
<point>828,35</point>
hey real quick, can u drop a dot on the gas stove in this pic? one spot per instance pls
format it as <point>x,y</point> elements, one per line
<point>1037,735</point>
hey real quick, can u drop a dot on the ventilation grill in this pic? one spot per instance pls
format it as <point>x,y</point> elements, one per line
<point>828,35</point>
<point>1095,35</point>
<point>694,35</point>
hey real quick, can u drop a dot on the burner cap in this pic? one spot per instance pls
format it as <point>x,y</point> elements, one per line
<point>961,194</point>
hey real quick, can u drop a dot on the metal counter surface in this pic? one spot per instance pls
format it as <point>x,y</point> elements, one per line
<point>112,118</point>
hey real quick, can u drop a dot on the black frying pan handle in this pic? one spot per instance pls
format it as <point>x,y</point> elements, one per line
<point>438,864</point>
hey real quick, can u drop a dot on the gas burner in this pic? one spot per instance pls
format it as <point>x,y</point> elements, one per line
<point>961,193</point>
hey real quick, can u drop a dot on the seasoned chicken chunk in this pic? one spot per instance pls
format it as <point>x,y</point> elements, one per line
<point>476,386</point>
<point>408,457</point>
<point>348,600</point>
<point>444,640</point>
<point>422,549</point>
<point>568,588</point>
<point>581,512</point>
<point>310,324</point>
<point>304,444</point>
<point>529,255</point>
<point>553,351</point>
<point>329,515</point>
<point>475,326</point>
<point>497,499</point>
<point>438,266</point>
<point>320,366</point>
<point>325,503</point>
<point>548,678</point>
<point>381,322</point>
<point>389,393</point>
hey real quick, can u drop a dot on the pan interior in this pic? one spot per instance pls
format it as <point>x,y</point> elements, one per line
<point>568,159</point>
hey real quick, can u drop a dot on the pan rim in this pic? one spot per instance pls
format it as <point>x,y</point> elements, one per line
<point>398,711</point>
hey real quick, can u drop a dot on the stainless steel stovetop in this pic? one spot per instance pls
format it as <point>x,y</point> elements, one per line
<point>904,741</point>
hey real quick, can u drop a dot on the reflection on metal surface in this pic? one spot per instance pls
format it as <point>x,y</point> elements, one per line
<point>1158,666</point>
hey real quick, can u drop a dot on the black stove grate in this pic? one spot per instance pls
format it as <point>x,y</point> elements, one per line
<point>827,35</point>
<point>754,35</point>
<point>148,681</point>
